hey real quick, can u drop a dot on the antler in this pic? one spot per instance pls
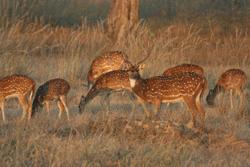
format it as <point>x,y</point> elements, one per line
<point>141,61</point>
<point>148,53</point>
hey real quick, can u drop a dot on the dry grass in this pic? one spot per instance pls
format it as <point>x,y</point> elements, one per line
<point>107,140</point>
<point>44,52</point>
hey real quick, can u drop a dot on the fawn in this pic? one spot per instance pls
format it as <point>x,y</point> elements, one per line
<point>55,89</point>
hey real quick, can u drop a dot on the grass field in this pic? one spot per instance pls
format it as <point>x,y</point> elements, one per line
<point>102,138</point>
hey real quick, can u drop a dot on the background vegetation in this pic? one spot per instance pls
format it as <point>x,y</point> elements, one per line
<point>45,39</point>
<point>72,12</point>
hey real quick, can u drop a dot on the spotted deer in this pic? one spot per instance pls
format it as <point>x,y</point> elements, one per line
<point>19,86</point>
<point>187,87</point>
<point>233,80</point>
<point>184,68</point>
<point>52,90</point>
<point>113,81</point>
<point>109,61</point>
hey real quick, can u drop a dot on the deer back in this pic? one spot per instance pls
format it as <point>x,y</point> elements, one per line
<point>15,85</point>
<point>184,68</point>
<point>52,89</point>
<point>168,88</point>
<point>110,61</point>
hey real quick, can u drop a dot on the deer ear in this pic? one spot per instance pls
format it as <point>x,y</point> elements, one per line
<point>141,67</point>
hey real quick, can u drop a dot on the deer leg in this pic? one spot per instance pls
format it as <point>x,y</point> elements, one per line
<point>30,105</point>
<point>47,106</point>
<point>107,101</point>
<point>63,100</point>
<point>29,110</point>
<point>221,98</point>
<point>123,92</point>
<point>145,110</point>
<point>242,102</point>
<point>157,109</point>
<point>61,108</point>
<point>190,102</point>
<point>2,108</point>
<point>132,99</point>
<point>144,107</point>
<point>25,105</point>
<point>31,94</point>
<point>231,98</point>
<point>200,108</point>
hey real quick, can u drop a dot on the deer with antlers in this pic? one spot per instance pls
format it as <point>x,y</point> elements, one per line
<point>109,61</point>
<point>52,90</point>
<point>187,87</point>
<point>233,80</point>
<point>113,81</point>
<point>19,86</point>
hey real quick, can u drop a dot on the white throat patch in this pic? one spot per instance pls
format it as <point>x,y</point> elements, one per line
<point>132,82</point>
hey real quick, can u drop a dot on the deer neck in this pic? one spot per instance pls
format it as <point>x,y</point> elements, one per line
<point>132,82</point>
<point>136,85</point>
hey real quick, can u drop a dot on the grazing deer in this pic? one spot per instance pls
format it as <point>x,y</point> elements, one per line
<point>110,61</point>
<point>117,80</point>
<point>233,80</point>
<point>184,68</point>
<point>187,87</point>
<point>55,89</point>
<point>19,86</point>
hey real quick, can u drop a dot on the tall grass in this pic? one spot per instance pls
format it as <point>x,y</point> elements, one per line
<point>44,51</point>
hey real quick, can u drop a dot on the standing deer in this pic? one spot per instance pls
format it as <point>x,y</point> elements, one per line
<point>109,61</point>
<point>19,86</point>
<point>233,80</point>
<point>187,87</point>
<point>55,89</point>
<point>184,68</point>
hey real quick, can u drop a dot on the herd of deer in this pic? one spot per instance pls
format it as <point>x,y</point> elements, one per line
<point>113,71</point>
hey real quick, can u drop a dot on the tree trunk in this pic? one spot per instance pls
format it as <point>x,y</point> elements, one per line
<point>123,15</point>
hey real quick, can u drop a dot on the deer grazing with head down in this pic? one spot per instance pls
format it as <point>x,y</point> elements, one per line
<point>233,80</point>
<point>52,90</point>
<point>113,81</point>
<point>109,61</point>
<point>19,86</point>
<point>187,87</point>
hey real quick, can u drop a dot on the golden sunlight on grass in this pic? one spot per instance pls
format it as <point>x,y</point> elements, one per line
<point>101,138</point>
